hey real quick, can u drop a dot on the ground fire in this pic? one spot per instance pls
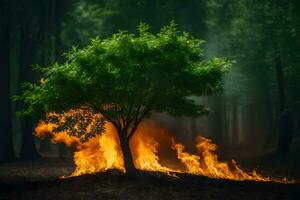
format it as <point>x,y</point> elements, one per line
<point>153,149</point>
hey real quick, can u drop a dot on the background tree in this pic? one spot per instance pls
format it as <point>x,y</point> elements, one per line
<point>32,19</point>
<point>6,141</point>
<point>124,78</point>
<point>262,37</point>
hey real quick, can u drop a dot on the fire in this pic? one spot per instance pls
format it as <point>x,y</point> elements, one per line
<point>153,149</point>
<point>206,163</point>
<point>96,155</point>
<point>99,154</point>
<point>145,148</point>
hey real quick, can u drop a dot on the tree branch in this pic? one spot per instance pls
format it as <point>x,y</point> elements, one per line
<point>102,112</point>
<point>138,121</point>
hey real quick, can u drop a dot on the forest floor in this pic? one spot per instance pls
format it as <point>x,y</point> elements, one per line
<point>39,180</point>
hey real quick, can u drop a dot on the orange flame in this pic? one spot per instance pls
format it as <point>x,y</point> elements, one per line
<point>96,155</point>
<point>206,163</point>
<point>145,148</point>
<point>148,145</point>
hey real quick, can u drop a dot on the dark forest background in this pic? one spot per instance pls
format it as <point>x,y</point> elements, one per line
<point>259,111</point>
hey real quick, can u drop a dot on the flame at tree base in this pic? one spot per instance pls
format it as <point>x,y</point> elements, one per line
<point>153,149</point>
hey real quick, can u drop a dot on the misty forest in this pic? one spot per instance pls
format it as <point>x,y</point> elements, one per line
<point>132,99</point>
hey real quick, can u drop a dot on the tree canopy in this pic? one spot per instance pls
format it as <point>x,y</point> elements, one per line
<point>126,76</point>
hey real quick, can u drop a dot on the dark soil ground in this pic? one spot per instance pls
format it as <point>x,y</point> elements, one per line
<point>39,180</point>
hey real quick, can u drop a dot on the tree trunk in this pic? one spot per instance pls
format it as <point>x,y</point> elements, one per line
<point>285,121</point>
<point>28,50</point>
<point>216,119</point>
<point>128,159</point>
<point>47,52</point>
<point>60,6</point>
<point>28,148</point>
<point>268,121</point>
<point>217,126</point>
<point>235,126</point>
<point>44,146</point>
<point>285,135</point>
<point>6,138</point>
<point>62,151</point>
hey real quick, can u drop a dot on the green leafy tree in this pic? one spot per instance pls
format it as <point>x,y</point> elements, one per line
<point>124,78</point>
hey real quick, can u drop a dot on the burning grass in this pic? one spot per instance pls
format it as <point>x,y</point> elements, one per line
<point>153,149</point>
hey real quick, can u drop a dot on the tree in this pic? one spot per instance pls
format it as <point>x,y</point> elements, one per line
<point>123,79</point>
<point>6,141</point>
<point>50,50</point>
<point>262,36</point>
<point>32,21</point>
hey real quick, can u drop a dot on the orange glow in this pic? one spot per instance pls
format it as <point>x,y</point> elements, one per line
<point>99,154</point>
<point>145,148</point>
<point>206,163</point>
<point>96,155</point>
<point>153,149</point>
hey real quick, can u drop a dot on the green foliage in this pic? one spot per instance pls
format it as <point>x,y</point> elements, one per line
<point>126,76</point>
<point>82,123</point>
